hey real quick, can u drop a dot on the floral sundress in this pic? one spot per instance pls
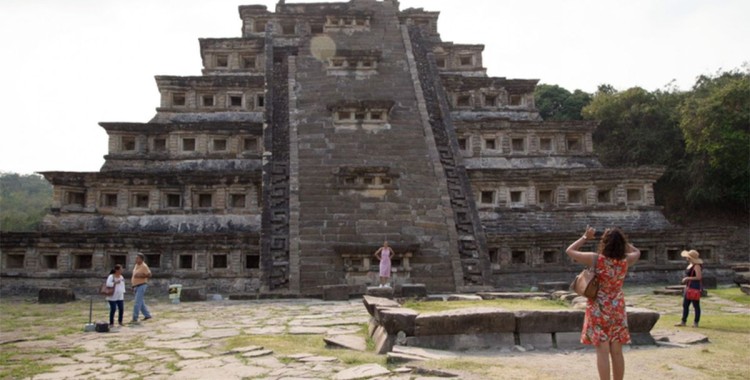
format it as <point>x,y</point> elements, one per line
<point>606,320</point>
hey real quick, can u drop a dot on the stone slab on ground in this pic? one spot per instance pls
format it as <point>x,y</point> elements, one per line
<point>427,353</point>
<point>351,342</point>
<point>220,333</point>
<point>680,336</point>
<point>744,288</point>
<point>192,354</point>
<point>364,371</point>
<point>395,358</point>
<point>242,350</point>
<point>257,353</point>
<point>56,295</point>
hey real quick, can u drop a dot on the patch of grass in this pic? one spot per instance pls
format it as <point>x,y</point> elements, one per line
<point>733,294</point>
<point>172,366</point>
<point>508,304</point>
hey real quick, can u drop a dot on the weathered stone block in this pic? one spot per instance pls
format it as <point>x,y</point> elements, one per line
<point>413,291</point>
<point>568,340</point>
<point>745,289</point>
<point>465,321</point>
<point>549,321</point>
<point>336,292</point>
<point>383,341</point>
<point>538,340</point>
<point>397,319</point>
<point>463,341</point>
<point>56,295</point>
<point>384,292</point>
<point>641,338</point>
<point>371,302</point>
<point>193,294</point>
<point>641,320</point>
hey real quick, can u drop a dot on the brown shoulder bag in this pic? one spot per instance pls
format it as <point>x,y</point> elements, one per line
<point>586,284</point>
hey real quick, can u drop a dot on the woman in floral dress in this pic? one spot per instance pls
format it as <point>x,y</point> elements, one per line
<point>606,323</point>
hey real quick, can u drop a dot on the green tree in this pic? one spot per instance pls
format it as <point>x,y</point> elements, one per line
<point>558,104</point>
<point>638,127</point>
<point>715,120</point>
<point>24,199</point>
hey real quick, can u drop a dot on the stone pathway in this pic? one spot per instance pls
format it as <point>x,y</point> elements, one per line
<point>210,340</point>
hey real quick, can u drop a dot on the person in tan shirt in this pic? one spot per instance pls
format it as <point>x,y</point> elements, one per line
<point>139,281</point>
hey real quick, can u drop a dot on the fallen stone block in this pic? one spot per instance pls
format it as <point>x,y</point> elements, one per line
<point>336,292</point>
<point>383,341</point>
<point>350,342</point>
<point>56,295</point>
<point>413,291</point>
<point>397,319</point>
<point>465,321</point>
<point>745,289</point>
<point>549,321</point>
<point>742,278</point>
<point>364,371</point>
<point>371,302</point>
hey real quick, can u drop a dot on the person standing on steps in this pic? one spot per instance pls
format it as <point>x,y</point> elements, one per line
<point>692,280</point>
<point>139,281</point>
<point>384,254</point>
<point>605,325</point>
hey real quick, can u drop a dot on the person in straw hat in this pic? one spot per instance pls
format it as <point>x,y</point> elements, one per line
<point>692,279</point>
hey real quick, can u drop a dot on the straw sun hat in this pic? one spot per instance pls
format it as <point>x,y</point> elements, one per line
<point>693,256</point>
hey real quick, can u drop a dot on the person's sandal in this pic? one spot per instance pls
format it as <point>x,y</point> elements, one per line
<point>695,325</point>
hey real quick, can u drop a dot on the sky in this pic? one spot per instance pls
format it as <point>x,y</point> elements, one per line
<point>68,65</point>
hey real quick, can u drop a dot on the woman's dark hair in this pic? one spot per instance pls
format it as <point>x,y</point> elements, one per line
<point>613,244</point>
<point>117,267</point>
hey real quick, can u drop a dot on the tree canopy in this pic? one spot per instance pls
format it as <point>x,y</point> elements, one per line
<point>558,104</point>
<point>24,199</point>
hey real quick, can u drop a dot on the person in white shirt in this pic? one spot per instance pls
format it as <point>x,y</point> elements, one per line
<point>117,299</point>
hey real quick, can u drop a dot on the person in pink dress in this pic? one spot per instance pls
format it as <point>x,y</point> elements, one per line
<point>606,323</point>
<point>384,254</point>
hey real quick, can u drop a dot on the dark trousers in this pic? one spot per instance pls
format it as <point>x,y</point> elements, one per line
<point>686,309</point>
<point>120,305</point>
